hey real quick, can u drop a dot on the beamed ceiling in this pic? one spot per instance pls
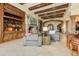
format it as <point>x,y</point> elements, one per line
<point>39,6</point>
<point>53,16</point>
<point>49,12</point>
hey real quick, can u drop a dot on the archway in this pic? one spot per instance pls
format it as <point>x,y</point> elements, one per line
<point>50,27</point>
<point>59,27</point>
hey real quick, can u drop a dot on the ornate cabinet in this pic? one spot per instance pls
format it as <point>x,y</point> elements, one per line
<point>12,22</point>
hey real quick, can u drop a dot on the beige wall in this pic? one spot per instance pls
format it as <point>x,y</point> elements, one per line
<point>74,11</point>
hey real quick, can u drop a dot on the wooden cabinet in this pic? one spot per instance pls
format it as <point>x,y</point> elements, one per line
<point>73,44</point>
<point>1,22</point>
<point>73,39</point>
<point>12,22</point>
<point>69,39</point>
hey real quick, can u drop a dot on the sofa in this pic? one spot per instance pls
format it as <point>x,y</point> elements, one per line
<point>33,40</point>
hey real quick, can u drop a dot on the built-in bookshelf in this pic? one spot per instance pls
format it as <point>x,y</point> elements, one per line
<point>12,22</point>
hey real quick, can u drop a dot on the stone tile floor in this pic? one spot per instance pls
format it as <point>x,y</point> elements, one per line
<point>16,48</point>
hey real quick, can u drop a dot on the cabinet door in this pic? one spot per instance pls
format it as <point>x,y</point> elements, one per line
<point>6,37</point>
<point>14,35</point>
<point>1,22</point>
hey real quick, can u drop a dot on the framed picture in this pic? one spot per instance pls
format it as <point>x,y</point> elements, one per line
<point>32,21</point>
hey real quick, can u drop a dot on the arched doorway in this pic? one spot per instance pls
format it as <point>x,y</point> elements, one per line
<point>59,27</point>
<point>50,27</point>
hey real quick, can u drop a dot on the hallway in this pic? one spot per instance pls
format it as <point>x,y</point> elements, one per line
<point>16,48</point>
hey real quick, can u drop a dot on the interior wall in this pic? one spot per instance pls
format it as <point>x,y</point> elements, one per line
<point>74,11</point>
<point>69,27</point>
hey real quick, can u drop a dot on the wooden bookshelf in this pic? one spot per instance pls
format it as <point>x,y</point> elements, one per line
<point>12,22</point>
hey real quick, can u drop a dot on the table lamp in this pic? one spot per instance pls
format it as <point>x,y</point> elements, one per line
<point>45,29</point>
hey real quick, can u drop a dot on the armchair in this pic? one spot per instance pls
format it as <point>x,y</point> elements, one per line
<point>32,40</point>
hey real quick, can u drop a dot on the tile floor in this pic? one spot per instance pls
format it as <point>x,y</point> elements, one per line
<point>16,48</point>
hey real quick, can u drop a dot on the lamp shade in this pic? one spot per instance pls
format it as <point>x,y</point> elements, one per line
<point>45,29</point>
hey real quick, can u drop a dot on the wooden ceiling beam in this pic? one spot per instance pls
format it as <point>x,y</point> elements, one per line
<point>39,6</point>
<point>49,13</point>
<point>53,20</point>
<point>52,8</point>
<point>53,16</point>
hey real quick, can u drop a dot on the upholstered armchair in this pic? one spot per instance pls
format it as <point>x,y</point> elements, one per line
<point>32,40</point>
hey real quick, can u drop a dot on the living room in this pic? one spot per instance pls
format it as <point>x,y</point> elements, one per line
<point>40,28</point>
